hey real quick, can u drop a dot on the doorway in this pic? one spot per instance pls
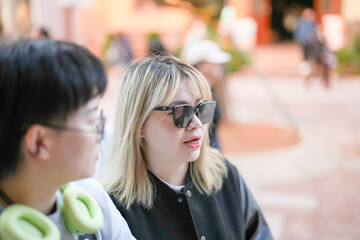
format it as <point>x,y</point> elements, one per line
<point>284,15</point>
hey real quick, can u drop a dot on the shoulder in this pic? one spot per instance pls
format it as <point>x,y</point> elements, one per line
<point>233,172</point>
<point>236,180</point>
<point>86,182</point>
<point>117,204</point>
<point>96,190</point>
<point>230,166</point>
<point>115,226</point>
<point>233,176</point>
<point>91,185</point>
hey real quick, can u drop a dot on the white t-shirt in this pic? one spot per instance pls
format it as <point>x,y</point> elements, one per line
<point>115,226</point>
<point>176,188</point>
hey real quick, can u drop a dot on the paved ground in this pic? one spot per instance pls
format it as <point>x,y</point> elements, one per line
<point>308,189</point>
<point>306,183</point>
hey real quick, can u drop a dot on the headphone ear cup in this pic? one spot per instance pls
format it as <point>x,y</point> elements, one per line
<point>81,212</point>
<point>22,222</point>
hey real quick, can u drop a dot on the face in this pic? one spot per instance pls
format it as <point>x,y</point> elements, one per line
<point>309,15</point>
<point>213,72</point>
<point>74,153</point>
<point>165,144</point>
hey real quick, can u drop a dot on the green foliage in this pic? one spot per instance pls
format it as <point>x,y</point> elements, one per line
<point>153,36</point>
<point>109,38</point>
<point>349,58</point>
<point>357,43</point>
<point>209,11</point>
<point>238,59</point>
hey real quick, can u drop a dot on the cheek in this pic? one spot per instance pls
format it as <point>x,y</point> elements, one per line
<point>83,145</point>
<point>205,130</point>
<point>158,137</point>
<point>162,136</point>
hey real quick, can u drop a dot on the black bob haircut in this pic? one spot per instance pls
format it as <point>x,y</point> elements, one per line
<point>42,80</point>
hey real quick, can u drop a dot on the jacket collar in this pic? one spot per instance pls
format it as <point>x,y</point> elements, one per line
<point>163,189</point>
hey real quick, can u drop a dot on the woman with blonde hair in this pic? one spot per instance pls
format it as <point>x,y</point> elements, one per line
<point>162,174</point>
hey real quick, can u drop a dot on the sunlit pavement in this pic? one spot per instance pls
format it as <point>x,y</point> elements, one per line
<point>307,190</point>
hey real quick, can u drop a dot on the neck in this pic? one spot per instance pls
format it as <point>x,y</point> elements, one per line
<point>29,192</point>
<point>174,175</point>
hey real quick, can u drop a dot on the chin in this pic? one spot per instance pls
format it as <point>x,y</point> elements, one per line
<point>193,156</point>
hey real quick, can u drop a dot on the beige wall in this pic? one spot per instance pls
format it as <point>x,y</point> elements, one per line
<point>243,7</point>
<point>7,16</point>
<point>15,18</point>
<point>48,14</point>
<point>90,22</point>
<point>125,16</point>
<point>350,9</point>
<point>137,22</point>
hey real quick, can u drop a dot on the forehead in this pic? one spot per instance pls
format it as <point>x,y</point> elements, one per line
<point>187,90</point>
<point>88,109</point>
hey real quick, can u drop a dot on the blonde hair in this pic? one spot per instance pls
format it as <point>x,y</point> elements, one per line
<point>144,86</point>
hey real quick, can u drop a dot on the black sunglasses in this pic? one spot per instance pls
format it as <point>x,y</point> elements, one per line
<point>100,127</point>
<point>184,113</point>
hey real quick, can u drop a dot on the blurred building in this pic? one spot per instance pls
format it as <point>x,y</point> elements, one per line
<point>89,21</point>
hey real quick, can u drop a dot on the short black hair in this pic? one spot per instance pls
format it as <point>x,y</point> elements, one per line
<point>44,32</point>
<point>42,80</point>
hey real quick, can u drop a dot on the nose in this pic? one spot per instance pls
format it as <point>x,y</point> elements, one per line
<point>195,123</point>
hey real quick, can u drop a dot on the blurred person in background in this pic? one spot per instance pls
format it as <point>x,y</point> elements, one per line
<point>207,57</point>
<point>3,37</point>
<point>49,142</point>
<point>155,46</point>
<point>1,31</point>
<point>316,53</point>
<point>119,52</point>
<point>39,32</point>
<point>162,174</point>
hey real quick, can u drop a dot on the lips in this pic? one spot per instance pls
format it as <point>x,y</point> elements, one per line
<point>193,140</point>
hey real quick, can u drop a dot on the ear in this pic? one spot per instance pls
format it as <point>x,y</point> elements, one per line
<point>36,142</point>
<point>142,133</point>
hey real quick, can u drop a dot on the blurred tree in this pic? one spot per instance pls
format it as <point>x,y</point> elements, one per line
<point>208,11</point>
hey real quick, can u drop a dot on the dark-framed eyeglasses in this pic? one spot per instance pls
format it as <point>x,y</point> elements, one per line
<point>100,127</point>
<point>184,113</point>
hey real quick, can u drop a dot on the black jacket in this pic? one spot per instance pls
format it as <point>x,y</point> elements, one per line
<point>229,214</point>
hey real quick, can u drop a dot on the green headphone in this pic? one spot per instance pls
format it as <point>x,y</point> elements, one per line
<point>81,213</point>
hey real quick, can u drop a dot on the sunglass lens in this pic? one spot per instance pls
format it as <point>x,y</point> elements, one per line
<point>206,111</point>
<point>183,116</point>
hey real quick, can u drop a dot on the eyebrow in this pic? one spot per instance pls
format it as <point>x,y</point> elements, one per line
<point>184,102</point>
